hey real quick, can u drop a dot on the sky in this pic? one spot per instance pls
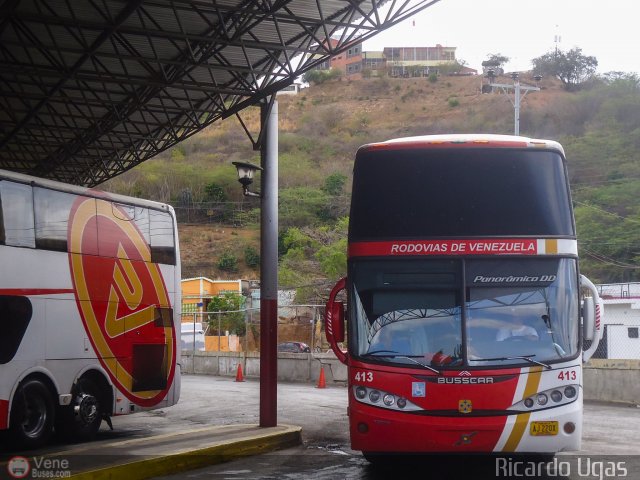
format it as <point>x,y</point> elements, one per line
<point>608,30</point>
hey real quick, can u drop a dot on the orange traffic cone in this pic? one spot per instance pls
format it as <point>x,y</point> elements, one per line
<point>239,377</point>
<point>321,381</point>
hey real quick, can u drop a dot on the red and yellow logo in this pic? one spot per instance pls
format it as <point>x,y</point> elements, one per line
<point>118,291</point>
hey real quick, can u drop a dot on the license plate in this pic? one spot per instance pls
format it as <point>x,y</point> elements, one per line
<point>543,428</point>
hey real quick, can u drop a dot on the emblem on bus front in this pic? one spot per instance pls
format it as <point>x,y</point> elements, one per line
<point>465,439</point>
<point>465,406</point>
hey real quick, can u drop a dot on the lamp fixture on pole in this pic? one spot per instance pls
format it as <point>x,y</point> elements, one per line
<point>246,171</point>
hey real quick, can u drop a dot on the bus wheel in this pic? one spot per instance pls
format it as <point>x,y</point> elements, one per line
<point>81,420</point>
<point>32,413</point>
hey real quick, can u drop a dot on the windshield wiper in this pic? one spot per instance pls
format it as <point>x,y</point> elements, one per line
<point>386,355</point>
<point>374,352</point>
<point>519,357</point>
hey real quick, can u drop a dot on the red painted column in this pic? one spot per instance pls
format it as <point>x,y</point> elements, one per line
<point>268,362</point>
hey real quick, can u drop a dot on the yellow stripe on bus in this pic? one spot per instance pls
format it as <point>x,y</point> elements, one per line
<point>522,420</point>
<point>551,246</point>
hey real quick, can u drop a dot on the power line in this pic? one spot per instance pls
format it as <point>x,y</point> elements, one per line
<point>602,210</point>
<point>608,260</point>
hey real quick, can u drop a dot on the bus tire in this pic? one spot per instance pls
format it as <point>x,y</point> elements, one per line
<point>32,415</point>
<point>81,420</point>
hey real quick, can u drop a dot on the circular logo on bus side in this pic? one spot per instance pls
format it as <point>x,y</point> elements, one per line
<point>118,291</point>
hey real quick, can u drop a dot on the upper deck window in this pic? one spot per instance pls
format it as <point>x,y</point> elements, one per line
<point>423,193</point>
<point>16,215</point>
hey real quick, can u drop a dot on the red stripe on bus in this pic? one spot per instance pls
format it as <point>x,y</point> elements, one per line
<point>27,292</point>
<point>445,247</point>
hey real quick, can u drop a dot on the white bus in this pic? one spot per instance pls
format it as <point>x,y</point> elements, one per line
<point>467,315</point>
<point>89,300</point>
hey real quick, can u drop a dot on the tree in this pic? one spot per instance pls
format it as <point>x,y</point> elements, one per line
<point>572,68</point>
<point>495,62</point>
<point>320,76</point>
<point>233,321</point>
<point>498,59</point>
<point>451,68</point>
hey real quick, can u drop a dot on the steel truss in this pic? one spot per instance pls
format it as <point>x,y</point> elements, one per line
<point>92,88</point>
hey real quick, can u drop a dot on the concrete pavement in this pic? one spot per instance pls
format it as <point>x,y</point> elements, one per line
<point>157,455</point>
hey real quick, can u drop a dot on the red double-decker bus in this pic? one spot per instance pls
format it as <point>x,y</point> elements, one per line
<point>466,312</point>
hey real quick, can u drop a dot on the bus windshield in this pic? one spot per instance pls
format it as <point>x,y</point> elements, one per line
<point>497,313</point>
<point>449,193</point>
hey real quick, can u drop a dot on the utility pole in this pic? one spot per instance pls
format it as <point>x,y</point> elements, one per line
<point>520,91</point>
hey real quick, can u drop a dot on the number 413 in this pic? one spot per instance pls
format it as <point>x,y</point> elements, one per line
<point>567,375</point>
<point>364,377</point>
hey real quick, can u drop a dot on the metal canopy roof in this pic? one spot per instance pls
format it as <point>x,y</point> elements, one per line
<point>91,88</point>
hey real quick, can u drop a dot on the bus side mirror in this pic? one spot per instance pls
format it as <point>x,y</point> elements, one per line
<point>336,317</point>
<point>592,311</point>
<point>334,321</point>
<point>588,318</point>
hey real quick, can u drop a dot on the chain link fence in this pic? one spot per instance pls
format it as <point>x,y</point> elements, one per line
<point>239,330</point>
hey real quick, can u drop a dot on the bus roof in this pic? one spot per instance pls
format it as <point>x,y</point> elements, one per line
<point>77,190</point>
<point>477,140</point>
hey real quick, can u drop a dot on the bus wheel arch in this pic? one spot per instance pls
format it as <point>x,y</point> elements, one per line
<point>33,413</point>
<point>91,400</point>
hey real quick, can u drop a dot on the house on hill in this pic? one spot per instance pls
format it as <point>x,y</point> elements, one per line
<point>197,292</point>
<point>417,61</point>
<point>396,61</point>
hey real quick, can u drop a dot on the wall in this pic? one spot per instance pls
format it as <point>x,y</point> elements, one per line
<point>612,381</point>
<point>604,380</point>
<point>292,367</point>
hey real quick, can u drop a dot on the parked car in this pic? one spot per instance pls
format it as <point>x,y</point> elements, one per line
<point>294,347</point>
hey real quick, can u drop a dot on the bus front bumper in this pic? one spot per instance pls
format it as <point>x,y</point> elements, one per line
<point>379,430</point>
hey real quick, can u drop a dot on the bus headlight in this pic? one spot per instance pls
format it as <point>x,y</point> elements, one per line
<point>372,396</point>
<point>540,400</point>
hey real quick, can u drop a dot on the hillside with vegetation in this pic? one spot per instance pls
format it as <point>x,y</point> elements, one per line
<point>321,128</point>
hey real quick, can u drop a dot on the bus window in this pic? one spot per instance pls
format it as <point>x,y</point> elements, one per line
<point>16,314</point>
<point>16,202</point>
<point>52,211</point>
<point>139,215</point>
<point>162,242</point>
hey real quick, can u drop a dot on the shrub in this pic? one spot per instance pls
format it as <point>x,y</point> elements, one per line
<point>228,262</point>
<point>334,184</point>
<point>251,256</point>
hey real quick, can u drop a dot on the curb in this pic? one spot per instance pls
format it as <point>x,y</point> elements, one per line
<point>263,440</point>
